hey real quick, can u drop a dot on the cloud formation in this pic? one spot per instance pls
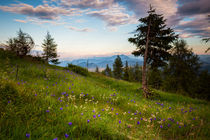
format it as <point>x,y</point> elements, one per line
<point>78,29</point>
<point>42,11</point>
<point>120,12</point>
<point>96,4</point>
<point>114,16</point>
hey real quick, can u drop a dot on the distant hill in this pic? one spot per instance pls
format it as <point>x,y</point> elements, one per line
<point>102,61</point>
<point>205,59</point>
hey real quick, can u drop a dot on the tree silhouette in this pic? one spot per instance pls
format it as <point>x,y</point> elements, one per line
<point>50,49</point>
<point>152,40</point>
<point>21,45</point>
<point>126,72</point>
<point>118,68</point>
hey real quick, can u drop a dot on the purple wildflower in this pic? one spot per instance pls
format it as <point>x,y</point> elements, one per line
<point>70,123</point>
<point>94,116</point>
<point>55,139</point>
<point>9,102</point>
<point>61,108</point>
<point>119,121</point>
<point>99,115</point>
<point>35,94</point>
<point>66,135</point>
<point>82,114</point>
<point>88,121</point>
<point>116,113</point>
<point>102,109</point>
<point>161,126</point>
<point>138,122</point>
<point>27,135</point>
<point>47,111</point>
<point>179,126</point>
<point>169,107</point>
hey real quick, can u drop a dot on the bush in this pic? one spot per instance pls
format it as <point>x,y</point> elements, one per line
<point>78,69</point>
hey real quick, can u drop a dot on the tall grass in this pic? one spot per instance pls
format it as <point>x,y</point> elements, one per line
<point>48,102</point>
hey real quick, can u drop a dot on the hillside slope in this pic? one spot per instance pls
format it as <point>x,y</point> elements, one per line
<point>49,102</point>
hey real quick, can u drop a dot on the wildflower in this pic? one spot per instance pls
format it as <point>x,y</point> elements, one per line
<point>102,109</point>
<point>169,125</point>
<point>169,107</point>
<point>99,115</point>
<point>141,118</point>
<point>193,118</point>
<point>82,114</point>
<point>61,108</point>
<point>94,116</point>
<point>55,139</point>
<point>9,102</point>
<point>116,113</point>
<point>179,126</point>
<point>112,109</point>
<point>70,123</point>
<point>88,121</point>
<point>161,126</point>
<point>27,135</point>
<point>138,122</point>
<point>47,111</point>
<point>66,135</point>
<point>35,94</point>
<point>119,121</point>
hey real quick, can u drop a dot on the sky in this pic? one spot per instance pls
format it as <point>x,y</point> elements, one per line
<point>84,28</point>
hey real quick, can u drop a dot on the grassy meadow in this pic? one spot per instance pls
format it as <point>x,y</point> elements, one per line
<point>45,102</point>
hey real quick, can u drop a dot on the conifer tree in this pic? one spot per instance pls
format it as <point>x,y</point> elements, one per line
<point>97,70</point>
<point>118,68</point>
<point>126,72</point>
<point>107,71</point>
<point>50,49</point>
<point>21,45</point>
<point>153,40</point>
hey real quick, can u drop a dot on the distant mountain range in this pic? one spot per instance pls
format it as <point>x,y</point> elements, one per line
<point>101,62</point>
<point>205,60</point>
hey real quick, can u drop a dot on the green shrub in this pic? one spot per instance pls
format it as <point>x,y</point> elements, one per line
<point>78,69</point>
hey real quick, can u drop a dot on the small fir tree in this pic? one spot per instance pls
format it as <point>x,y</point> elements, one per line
<point>50,49</point>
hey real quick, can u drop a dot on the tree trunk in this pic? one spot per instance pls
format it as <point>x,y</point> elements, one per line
<point>144,76</point>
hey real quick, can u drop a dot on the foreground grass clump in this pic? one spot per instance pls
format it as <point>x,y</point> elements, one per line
<point>48,102</point>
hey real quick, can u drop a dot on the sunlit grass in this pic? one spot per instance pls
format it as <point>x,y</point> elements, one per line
<point>51,102</point>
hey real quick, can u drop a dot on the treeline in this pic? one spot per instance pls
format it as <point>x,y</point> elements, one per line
<point>182,73</point>
<point>23,43</point>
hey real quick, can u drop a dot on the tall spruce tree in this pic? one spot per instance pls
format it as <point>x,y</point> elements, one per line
<point>118,68</point>
<point>153,40</point>
<point>126,72</point>
<point>50,49</point>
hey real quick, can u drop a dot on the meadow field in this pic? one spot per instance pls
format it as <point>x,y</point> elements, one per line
<point>45,102</point>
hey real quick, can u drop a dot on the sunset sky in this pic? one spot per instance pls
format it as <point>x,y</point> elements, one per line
<point>100,27</point>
